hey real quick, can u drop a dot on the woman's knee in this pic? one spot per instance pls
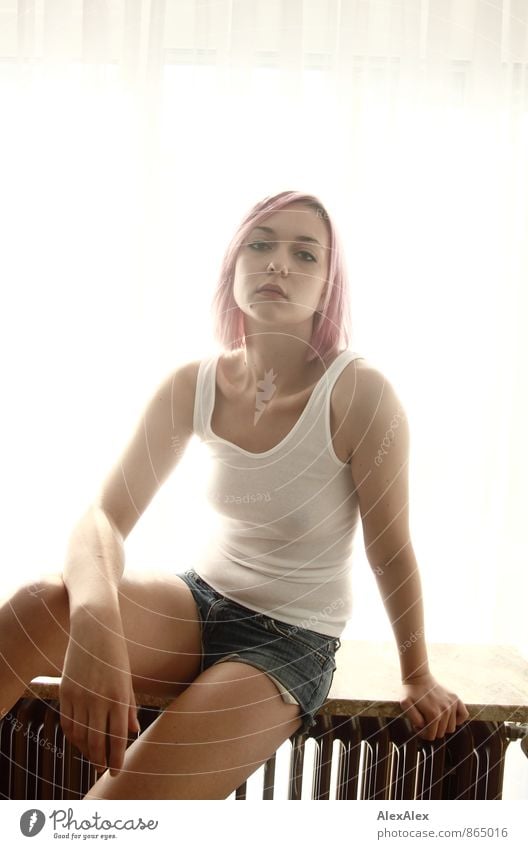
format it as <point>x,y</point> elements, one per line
<point>43,602</point>
<point>35,622</point>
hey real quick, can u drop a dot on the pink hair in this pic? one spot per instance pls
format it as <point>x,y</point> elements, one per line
<point>331,326</point>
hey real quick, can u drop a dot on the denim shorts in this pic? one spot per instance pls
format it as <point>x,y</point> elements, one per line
<point>301,662</point>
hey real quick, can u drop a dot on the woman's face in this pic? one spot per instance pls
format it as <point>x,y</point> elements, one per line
<point>296,240</point>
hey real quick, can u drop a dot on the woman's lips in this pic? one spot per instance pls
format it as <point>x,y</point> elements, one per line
<point>272,293</point>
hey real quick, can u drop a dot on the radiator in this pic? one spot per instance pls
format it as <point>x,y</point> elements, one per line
<point>374,758</point>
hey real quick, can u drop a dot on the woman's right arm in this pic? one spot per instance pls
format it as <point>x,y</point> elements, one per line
<point>96,693</point>
<point>95,555</point>
<point>95,561</point>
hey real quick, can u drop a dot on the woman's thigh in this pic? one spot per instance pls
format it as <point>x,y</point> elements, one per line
<point>161,625</point>
<point>162,628</point>
<point>208,740</point>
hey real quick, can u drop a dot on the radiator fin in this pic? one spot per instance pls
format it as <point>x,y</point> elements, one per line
<point>373,758</point>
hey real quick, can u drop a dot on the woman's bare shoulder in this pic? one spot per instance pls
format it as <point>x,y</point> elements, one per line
<point>189,368</point>
<point>180,383</point>
<point>357,394</point>
<point>357,377</point>
<point>226,373</point>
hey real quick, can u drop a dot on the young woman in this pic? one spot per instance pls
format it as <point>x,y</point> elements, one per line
<point>305,436</point>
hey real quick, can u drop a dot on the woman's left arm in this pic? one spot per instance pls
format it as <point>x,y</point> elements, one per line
<point>379,440</point>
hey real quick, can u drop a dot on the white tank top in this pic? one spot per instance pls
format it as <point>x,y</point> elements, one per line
<point>288,514</point>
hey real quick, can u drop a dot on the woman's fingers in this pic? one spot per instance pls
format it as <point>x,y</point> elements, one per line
<point>66,717</point>
<point>430,729</point>
<point>86,732</point>
<point>443,723</point>
<point>133,721</point>
<point>432,709</point>
<point>96,739</point>
<point>97,697</point>
<point>118,733</point>
<point>79,729</point>
<point>462,712</point>
<point>451,725</point>
<point>101,735</point>
<point>415,717</point>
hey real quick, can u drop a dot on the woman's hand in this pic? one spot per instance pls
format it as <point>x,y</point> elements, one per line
<point>431,708</point>
<point>97,703</point>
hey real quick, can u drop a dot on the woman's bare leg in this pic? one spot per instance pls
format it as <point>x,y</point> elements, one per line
<point>160,624</point>
<point>222,724</point>
<point>208,741</point>
<point>34,631</point>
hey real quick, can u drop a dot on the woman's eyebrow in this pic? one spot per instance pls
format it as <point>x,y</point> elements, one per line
<point>271,231</point>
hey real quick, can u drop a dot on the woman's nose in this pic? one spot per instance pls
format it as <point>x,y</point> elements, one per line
<point>279,265</point>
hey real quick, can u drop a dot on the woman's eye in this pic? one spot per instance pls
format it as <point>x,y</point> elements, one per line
<point>252,245</point>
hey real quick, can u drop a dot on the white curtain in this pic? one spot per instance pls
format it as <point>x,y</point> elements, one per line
<point>134,136</point>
